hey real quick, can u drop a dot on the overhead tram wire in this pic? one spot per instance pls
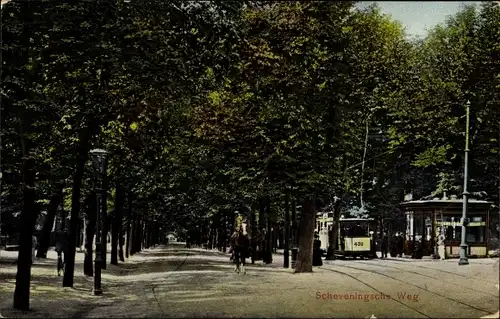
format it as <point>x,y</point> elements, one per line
<point>383,153</point>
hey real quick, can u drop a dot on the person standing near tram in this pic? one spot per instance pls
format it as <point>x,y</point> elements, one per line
<point>373,244</point>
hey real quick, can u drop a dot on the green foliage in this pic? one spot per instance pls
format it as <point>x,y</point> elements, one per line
<point>208,107</point>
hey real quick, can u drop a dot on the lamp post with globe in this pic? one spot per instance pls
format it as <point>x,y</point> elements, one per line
<point>463,243</point>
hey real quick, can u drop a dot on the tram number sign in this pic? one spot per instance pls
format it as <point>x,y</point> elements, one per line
<point>360,244</point>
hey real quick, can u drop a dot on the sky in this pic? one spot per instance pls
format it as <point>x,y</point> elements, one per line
<point>419,16</point>
<point>416,16</point>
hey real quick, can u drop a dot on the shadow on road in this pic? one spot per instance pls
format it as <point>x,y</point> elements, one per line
<point>133,281</point>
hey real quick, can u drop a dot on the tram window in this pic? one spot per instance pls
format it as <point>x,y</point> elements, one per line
<point>342,231</point>
<point>358,231</point>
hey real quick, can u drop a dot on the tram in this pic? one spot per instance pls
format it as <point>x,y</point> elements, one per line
<point>355,238</point>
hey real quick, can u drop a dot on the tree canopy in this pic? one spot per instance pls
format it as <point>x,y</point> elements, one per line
<point>211,107</point>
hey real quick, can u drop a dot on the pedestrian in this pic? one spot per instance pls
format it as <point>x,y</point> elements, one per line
<point>373,244</point>
<point>385,244</point>
<point>61,246</point>
<point>33,248</point>
<point>392,245</point>
<point>317,260</point>
<point>400,244</point>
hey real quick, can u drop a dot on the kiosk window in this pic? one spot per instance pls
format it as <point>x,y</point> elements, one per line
<point>453,233</point>
<point>475,234</point>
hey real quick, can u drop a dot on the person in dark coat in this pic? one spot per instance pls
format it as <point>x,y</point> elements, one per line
<point>385,245</point>
<point>399,244</point>
<point>317,261</point>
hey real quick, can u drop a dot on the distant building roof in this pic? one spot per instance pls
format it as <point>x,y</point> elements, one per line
<point>445,201</point>
<point>448,204</point>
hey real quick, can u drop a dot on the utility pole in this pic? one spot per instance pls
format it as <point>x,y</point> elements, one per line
<point>463,245</point>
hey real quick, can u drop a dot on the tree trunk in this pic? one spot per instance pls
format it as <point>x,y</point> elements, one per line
<point>286,252</point>
<point>253,230</point>
<point>144,234</point>
<point>135,234</point>
<point>63,216</point>
<point>91,214</point>
<point>147,233</point>
<point>27,222</point>
<point>294,238</point>
<point>269,248</point>
<point>121,235</point>
<point>307,223</point>
<point>137,240</point>
<point>128,246</point>
<point>78,233</point>
<point>55,200</point>
<point>114,241</point>
<point>140,224</point>
<point>106,226</point>
<point>155,233</point>
<point>224,233</point>
<point>69,269</point>
<point>30,209</point>
<point>121,242</point>
<point>117,223</point>
<point>211,236</point>
<point>261,228</point>
<point>141,244</point>
<point>334,232</point>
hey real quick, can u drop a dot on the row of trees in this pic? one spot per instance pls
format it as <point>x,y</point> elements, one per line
<point>208,107</point>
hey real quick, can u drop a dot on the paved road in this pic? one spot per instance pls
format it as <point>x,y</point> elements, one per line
<point>177,282</point>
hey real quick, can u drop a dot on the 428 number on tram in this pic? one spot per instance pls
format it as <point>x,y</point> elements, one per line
<point>358,243</point>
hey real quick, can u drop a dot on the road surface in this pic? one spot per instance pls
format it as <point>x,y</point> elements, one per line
<point>179,282</point>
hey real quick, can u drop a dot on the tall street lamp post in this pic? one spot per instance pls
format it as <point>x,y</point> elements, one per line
<point>463,245</point>
<point>99,161</point>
